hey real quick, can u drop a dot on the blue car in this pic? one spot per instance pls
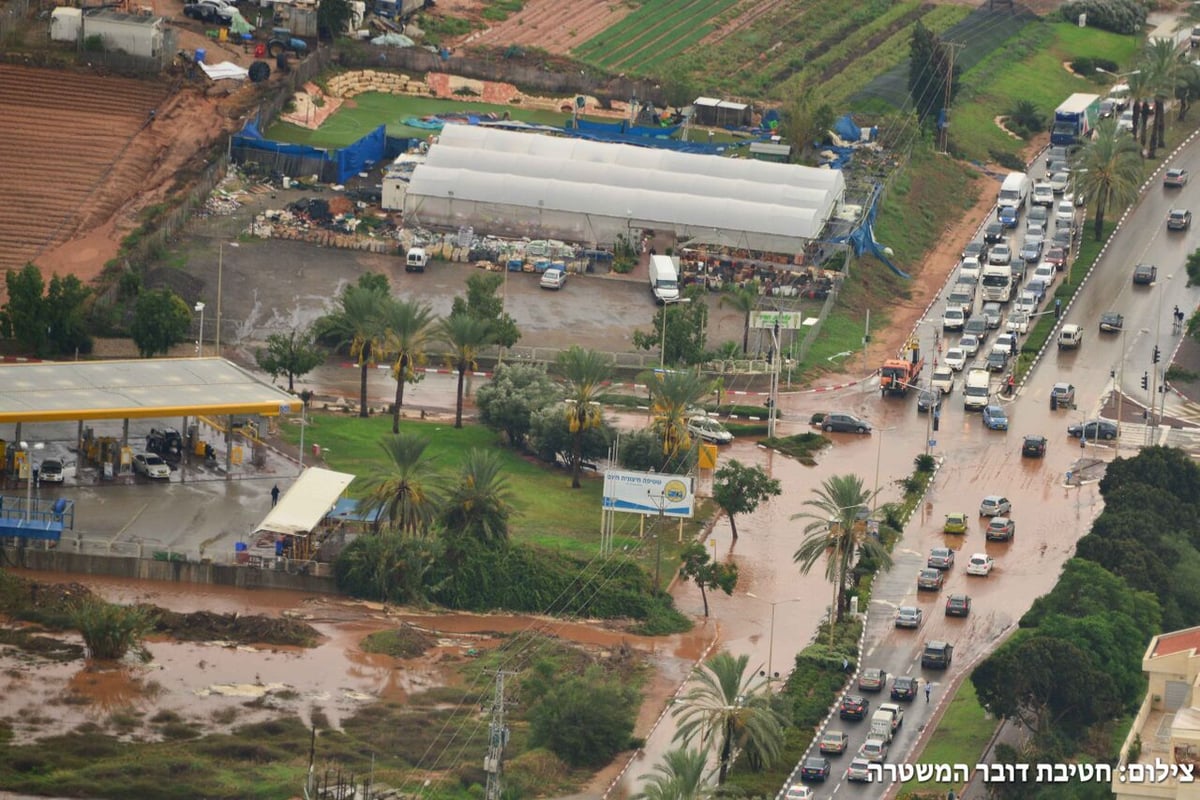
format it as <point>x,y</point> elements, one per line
<point>1008,216</point>
<point>994,418</point>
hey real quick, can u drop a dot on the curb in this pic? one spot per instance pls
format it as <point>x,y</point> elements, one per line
<point>1103,251</point>
<point>862,638</point>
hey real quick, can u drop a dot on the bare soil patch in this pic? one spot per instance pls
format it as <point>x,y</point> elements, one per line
<point>552,25</point>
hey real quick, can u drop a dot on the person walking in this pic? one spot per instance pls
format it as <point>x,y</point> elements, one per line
<point>274,495</point>
<point>928,690</point>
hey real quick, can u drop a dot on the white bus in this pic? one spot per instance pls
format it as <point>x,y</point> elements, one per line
<point>997,282</point>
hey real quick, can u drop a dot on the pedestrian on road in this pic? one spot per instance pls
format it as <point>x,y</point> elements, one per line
<point>928,691</point>
<point>274,495</point>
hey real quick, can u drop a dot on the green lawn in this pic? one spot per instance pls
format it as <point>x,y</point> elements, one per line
<point>959,738</point>
<point>1029,67</point>
<point>549,512</point>
<point>369,110</point>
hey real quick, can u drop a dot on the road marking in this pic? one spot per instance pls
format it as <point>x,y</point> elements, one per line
<point>132,520</point>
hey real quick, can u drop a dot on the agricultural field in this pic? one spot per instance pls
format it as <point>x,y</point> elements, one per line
<point>656,32</point>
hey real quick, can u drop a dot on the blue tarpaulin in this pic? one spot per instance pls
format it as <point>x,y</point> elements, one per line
<point>347,160</point>
<point>862,238</point>
<point>846,129</point>
<point>703,148</point>
<point>624,127</point>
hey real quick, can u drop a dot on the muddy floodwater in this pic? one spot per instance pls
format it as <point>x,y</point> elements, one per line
<point>214,686</point>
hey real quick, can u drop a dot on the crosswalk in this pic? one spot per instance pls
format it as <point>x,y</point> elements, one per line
<point>1135,436</point>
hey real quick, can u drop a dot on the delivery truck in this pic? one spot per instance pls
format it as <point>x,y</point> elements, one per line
<point>1075,118</point>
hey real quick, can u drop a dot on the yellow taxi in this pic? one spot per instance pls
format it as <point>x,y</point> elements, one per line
<point>955,523</point>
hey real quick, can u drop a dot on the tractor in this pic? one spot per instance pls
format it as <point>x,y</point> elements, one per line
<point>898,375</point>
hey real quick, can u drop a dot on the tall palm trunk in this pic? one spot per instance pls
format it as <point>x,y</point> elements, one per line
<point>1101,202</point>
<point>462,377</point>
<point>364,364</point>
<point>1160,123</point>
<point>746,334</point>
<point>726,753</point>
<point>399,394</point>
<point>576,455</point>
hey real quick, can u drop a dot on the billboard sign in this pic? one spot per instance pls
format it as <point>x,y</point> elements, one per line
<point>649,493</point>
<point>787,320</point>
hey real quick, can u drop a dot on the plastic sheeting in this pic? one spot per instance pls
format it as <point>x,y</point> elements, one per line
<point>593,192</point>
<point>862,238</point>
<point>335,165</point>
<point>308,501</point>
<point>588,126</point>
<point>226,70</point>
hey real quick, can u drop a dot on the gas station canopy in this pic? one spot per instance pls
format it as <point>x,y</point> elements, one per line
<point>145,388</point>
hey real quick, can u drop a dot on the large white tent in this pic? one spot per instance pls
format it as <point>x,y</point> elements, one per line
<point>535,185</point>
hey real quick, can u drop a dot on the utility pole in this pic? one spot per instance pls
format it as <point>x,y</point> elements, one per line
<point>952,47</point>
<point>497,739</point>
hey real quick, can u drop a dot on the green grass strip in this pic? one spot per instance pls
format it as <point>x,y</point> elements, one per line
<point>960,737</point>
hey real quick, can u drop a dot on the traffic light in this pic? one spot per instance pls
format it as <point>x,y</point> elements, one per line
<point>1156,354</point>
<point>1145,380</point>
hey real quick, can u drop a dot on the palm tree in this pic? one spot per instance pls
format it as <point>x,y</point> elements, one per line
<point>1164,68</point>
<point>672,395</point>
<point>1110,170</point>
<point>407,324</point>
<point>745,300</point>
<point>586,372</point>
<point>1140,89</point>
<point>681,775</point>
<point>838,530</point>
<point>407,494</point>
<point>358,324</point>
<point>467,336</point>
<point>479,504</point>
<point>730,706</point>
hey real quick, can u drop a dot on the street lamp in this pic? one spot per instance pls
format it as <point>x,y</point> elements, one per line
<point>1119,74</point>
<point>26,446</point>
<point>878,458</point>
<point>771,635</point>
<point>200,336</point>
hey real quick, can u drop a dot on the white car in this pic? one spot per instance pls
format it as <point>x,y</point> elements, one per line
<point>969,345</point>
<point>1043,194</point>
<point>151,466</point>
<point>1064,212</point>
<point>943,379</point>
<point>1008,341</point>
<point>1125,122</point>
<point>798,791</point>
<point>1018,322</point>
<point>709,430</point>
<point>953,319</point>
<point>1027,303</point>
<point>955,359</point>
<point>1059,182</point>
<point>554,278</point>
<point>970,268</point>
<point>994,505</point>
<point>980,564</point>
<point>874,750</point>
<point>52,471</point>
<point>1000,254</point>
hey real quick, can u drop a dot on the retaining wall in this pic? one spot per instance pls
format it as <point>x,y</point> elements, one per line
<point>243,577</point>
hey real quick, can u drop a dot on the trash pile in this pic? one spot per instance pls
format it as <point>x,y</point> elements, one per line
<point>336,222</point>
<point>496,254</point>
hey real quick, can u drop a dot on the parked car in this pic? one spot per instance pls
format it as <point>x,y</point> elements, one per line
<point>994,505</point>
<point>151,465</point>
<point>833,742</point>
<point>940,558</point>
<point>942,379</point>
<point>1175,178</point>
<point>905,688</point>
<point>956,522</point>
<point>854,706</point>
<point>955,358</point>
<point>208,10</point>
<point>995,418</point>
<point>873,750</point>
<point>929,400</point>
<point>1179,219</point>
<point>859,771</point>
<point>845,423</point>
<point>51,471</point>
<point>1033,446</point>
<point>1000,529</point>
<point>908,617</point>
<point>930,580</point>
<point>1111,322</point>
<point>709,430</point>
<point>814,768</point>
<point>1145,274</point>
<point>553,278</point>
<point>958,605</point>
<point>1062,395</point>
<point>872,679</point>
<point>980,564</point>
<point>1094,429</point>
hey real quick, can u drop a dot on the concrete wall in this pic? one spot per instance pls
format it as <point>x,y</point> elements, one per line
<point>243,577</point>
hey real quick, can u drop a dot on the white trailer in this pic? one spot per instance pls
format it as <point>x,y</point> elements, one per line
<point>65,23</point>
<point>134,34</point>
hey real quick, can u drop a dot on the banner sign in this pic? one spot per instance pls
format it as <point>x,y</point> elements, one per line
<point>787,320</point>
<point>649,493</point>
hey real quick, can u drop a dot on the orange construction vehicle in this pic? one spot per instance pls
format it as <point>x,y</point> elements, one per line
<point>898,375</point>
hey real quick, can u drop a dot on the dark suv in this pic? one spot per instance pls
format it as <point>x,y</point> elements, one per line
<point>937,655</point>
<point>1034,446</point>
<point>904,688</point>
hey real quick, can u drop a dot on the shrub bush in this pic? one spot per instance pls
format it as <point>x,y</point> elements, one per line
<point>1118,16</point>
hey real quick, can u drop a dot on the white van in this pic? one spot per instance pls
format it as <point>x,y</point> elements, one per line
<point>1014,192</point>
<point>416,260</point>
<point>881,726</point>
<point>664,279</point>
<point>1070,337</point>
<point>977,389</point>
